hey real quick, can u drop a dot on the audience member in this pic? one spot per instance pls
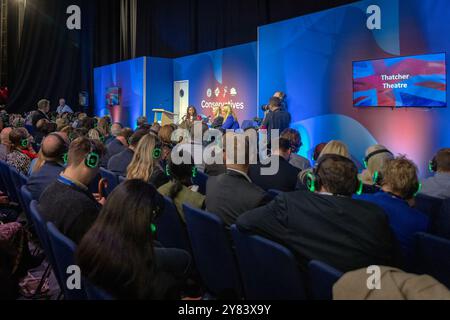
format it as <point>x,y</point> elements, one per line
<point>146,165</point>
<point>181,189</point>
<point>295,140</point>
<point>119,255</point>
<point>41,112</point>
<point>376,157</point>
<point>142,122</point>
<point>438,186</point>
<point>400,184</point>
<point>327,225</point>
<point>118,145</point>
<point>67,202</point>
<point>285,178</point>
<point>19,157</point>
<point>336,147</point>
<point>54,151</point>
<point>120,162</point>
<point>5,143</point>
<point>63,107</point>
<point>233,193</point>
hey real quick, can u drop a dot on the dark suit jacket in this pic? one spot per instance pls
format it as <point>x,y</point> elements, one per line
<point>38,115</point>
<point>40,180</point>
<point>72,209</point>
<point>113,148</point>
<point>344,233</point>
<point>120,162</point>
<point>231,194</point>
<point>284,180</point>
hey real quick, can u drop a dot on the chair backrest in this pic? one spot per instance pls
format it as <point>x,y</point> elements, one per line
<point>440,225</point>
<point>433,257</point>
<point>27,197</point>
<point>428,205</point>
<point>64,254</point>
<point>122,179</point>
<point>111,179</point>
<point>170,231</point>
<point>269,271</point>
<point>6,177</point>
<point>212,251</point>
<point>18,181</point>
<point>322,278</point>
<point>201,180</point>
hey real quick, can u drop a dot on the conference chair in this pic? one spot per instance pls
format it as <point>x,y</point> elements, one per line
<point>18,181</point>
<point>213,254</point>
<point>63,250</point>
<point>269,271</point>
<point>111,180</point>
<point>201,179</point>
<point>122,179</point>
<point>27,197</point>
<point>9,186</point>
<point>322,278</point>
<point>42,233</point>
<point>433,257</point>
<point>427,204</point>
<point>441,225</point>
<point>170,231</point>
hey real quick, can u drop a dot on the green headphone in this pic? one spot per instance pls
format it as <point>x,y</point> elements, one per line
<point>24,143</point>
<point>153,226</point>
<point>92,159</point>
<point>157,153</point>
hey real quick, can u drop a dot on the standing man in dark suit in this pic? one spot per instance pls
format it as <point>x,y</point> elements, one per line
<point>233,193</point>
<point>327,225</point>
<point>285,179</point>
<point>278,118</point>
<point>41,112</point>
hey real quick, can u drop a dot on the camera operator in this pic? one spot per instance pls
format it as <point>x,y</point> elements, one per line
<point>278,117</point>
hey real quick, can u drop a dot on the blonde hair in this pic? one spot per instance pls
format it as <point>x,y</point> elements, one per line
<point>94,134</point>
<point>39,162</point>
<point>376,163</point>
<point>336,147</point>
<point>216,112</point>
<point>143,163</point>
<point>229,111</point>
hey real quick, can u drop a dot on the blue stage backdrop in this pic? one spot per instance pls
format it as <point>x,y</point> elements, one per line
<point>119,91</point>
<point>226,76</point>
<point>311,58</point>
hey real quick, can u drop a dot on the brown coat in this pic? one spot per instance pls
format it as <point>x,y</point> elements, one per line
<point>395,285</point>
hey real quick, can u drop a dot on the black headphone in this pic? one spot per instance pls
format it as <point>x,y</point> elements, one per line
<point>194,171</point>
<point>92,159</point>
<point>373,154</point>
<point>313,180</point>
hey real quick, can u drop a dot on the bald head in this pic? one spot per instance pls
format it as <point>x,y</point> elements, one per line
<point>55,146</point>
<point>116,129</point>
<point>4,136</point>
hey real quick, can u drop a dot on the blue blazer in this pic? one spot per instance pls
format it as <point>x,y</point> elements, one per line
<point>404,220</point>
<point>231,124</point>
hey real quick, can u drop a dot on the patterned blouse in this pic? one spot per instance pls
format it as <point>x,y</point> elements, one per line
<point>19,161</point>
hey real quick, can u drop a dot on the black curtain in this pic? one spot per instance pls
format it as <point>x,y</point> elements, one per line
<point>52,60</point>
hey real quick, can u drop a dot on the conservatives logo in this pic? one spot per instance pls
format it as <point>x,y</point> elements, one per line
<point>220,96</point>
